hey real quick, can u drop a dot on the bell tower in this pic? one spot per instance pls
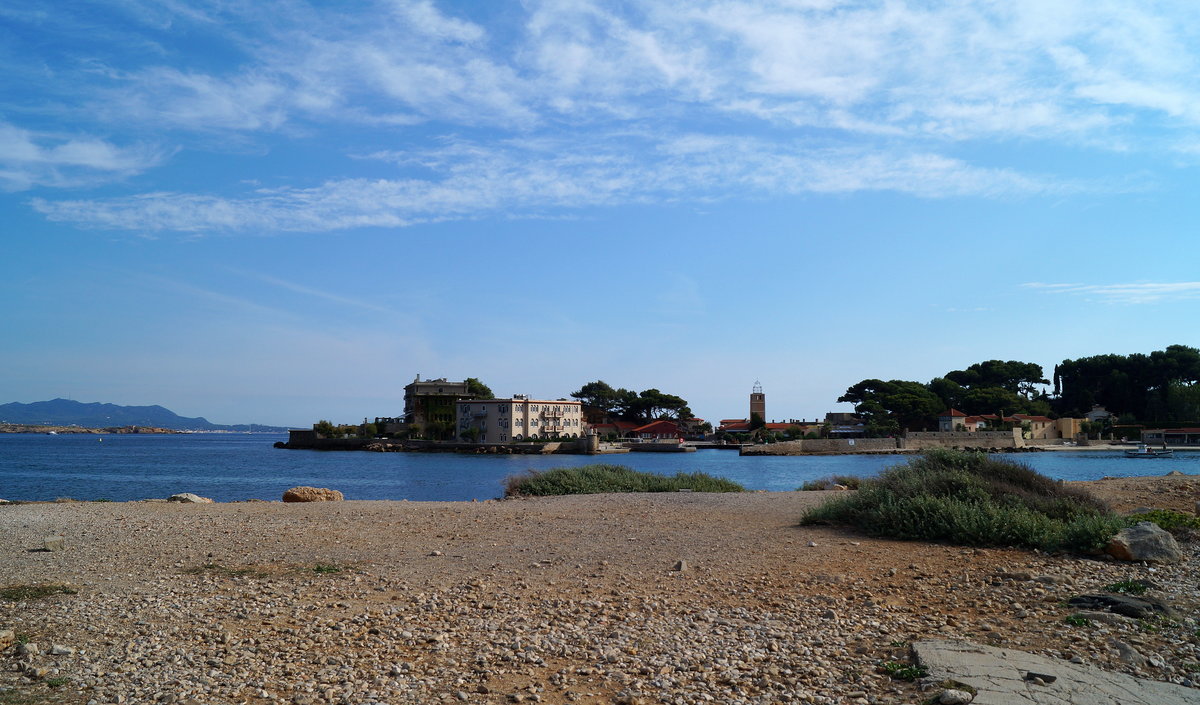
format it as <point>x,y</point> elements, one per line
<point>758,402</point>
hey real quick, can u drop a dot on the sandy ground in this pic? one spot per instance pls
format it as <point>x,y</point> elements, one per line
<point>565,599</point>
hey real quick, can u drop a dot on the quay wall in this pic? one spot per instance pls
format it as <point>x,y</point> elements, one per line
<point>920,440</point>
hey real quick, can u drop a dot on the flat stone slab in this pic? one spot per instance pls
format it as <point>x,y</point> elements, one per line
<point>999,675</point>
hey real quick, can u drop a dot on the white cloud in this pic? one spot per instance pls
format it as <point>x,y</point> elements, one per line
<point>29,159</point>
<point>528,178</point>
<point>1133,293</point>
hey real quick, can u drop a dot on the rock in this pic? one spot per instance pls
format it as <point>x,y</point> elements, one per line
<point>312,494</point>
<point>1144,541</point>
<point>1136,607</point>
<point>1104,617</point>
<point>7,637</point>
<point>54,543</point>
<point>680,566</point>
<point>29,648</point>
<point>189,498</point>
<point>954,697</point>
<point>1128,654</point>
<point>60,650</point>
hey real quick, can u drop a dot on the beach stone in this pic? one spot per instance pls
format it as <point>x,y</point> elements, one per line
<point>29,648</point>
<point>680,566</point>
<point>1144,541</point>
<point>7,637</point>
<point>312,494</point>
<point>189,498</point>
<point>1128,654</point>
<point>954,697</point>
<point>54,543</point>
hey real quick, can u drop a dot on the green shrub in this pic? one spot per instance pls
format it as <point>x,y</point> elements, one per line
<point>968,498</point>
<point>20,593</point>
<point>1168,519</point>
<point>1128,587</point>
<point>595,479</point>
<point>847,481</point>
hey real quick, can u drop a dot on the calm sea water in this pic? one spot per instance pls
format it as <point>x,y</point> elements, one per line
<point>229,467</point>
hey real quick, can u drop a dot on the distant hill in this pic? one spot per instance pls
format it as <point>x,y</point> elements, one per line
<point>65,412</point>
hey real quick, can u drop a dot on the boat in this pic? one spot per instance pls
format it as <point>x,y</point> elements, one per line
<point>1145,451</point>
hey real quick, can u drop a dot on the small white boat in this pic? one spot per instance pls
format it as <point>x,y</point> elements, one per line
<point>1145,451</point>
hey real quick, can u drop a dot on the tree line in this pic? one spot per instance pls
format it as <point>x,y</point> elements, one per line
<point>1158,388</point>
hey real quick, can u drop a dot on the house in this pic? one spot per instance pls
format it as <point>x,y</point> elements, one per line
<point>518,418</point>
<point>1098,413</point>
<point>657,430</point>
<point>952,420</point>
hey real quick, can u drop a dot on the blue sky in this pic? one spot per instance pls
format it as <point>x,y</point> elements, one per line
<point>284,211</point>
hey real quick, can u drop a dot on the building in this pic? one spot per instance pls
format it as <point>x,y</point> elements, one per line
<point>758,402</point>
<point>517,419</point>
<point>658,430</point>
<point>1034,427</point>
<point>430,403</point>
<point>1171,436</point>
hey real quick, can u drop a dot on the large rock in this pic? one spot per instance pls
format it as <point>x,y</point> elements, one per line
<point>1144,541</point>
<point>189,498</point>
<point>312,494</point>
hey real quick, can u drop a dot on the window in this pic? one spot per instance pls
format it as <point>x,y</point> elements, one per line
<point>533,422</point>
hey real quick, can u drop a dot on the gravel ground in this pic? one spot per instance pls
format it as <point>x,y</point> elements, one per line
<point>669,598</point>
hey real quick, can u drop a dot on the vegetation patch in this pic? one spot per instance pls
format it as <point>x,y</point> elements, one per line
<point>1077,620</point>
<point>1178,523</point>
<point>218,569</point>
<point>596,479</point>
<point>903,671</point>
<point>847,481</point>
<point>20,593</point>
<point>1129,587</point>
<point>967,498</point>
<point>326,569</point>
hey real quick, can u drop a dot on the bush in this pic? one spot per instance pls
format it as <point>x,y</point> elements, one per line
<point>847,481</point>
<point>1169,520</point>
<point>970,499</point>
<point>595,479</point>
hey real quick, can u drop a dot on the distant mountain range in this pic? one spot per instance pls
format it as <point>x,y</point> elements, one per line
<point>65,412</point>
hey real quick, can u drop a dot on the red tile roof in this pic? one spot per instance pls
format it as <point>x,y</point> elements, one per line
<point>951,412</point>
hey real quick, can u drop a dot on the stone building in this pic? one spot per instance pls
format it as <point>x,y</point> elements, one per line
<point>431,402</point>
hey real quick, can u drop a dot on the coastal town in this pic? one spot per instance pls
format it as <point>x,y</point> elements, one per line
<point>442,414</point>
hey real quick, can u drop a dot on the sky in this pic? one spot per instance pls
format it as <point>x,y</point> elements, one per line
<point>279,212</point>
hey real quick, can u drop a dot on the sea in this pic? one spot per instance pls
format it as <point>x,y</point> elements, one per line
<point>237,467</point>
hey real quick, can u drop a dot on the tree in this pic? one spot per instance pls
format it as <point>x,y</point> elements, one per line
<point>598,394</point>
<point>478,389</point>
<point>888,407</point>
<point>1016,377</point>
<point>324,428</point>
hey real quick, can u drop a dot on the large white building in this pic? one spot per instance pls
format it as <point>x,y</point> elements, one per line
<point>519,418</point>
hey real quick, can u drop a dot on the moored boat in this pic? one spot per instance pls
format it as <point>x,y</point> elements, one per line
<point>1145,451</point>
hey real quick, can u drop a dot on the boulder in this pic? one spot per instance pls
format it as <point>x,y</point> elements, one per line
<point>1144,541</point>
<point>312,494</point>
<point>189,498</point>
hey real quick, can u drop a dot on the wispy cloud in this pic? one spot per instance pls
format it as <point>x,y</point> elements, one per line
<point>318,293</point>
<point>535,178</point>
<point>1134,293</point>
<point>29,159</point>
<point>734,92</point>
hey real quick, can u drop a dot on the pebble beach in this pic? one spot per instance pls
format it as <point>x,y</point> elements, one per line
<point>665,598</point>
